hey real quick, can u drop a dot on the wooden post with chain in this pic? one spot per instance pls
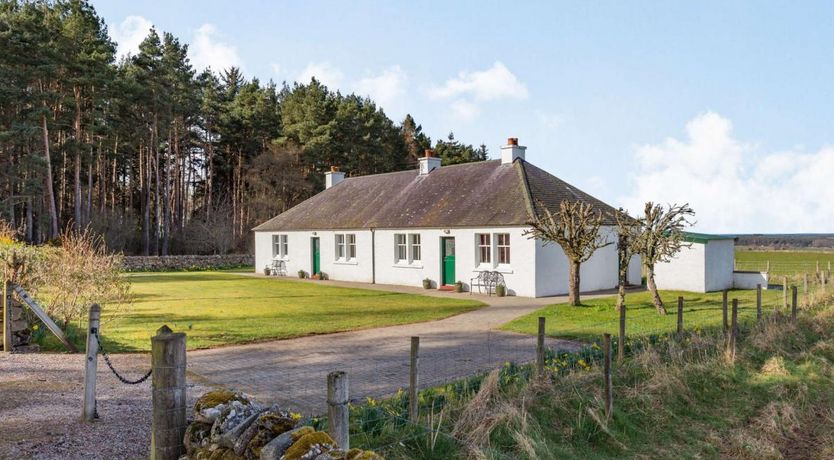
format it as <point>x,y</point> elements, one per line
<point>89,412</point>
<point>168,394</point>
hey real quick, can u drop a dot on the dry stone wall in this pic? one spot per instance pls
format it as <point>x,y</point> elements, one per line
<point>175,263</point>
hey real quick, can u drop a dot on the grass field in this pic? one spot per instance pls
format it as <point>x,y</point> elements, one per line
<point>784,262</point>
<point>217,308</point>
<point>598,316</point>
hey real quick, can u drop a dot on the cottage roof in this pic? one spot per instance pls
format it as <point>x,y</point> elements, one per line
<point>482,194</point>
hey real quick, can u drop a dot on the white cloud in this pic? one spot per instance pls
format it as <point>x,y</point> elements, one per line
<point>550,120</point>
<point>464,110</point>
<point>129,33</point>
<point>207,51</point>
<point>324,72</point>
<point>385,88</point>
<point>732,186</point>
<point>497,82</point>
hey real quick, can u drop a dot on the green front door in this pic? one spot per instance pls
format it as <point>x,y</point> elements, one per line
<point>316,257</point>
<point>448,247</point>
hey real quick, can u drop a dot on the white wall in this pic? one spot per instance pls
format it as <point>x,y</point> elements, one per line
<point>685,271</point>
<point>598,273</point>
<point>534,270</point>
<point>518,275</point>
<point>749,280</point>
<point>720,257</point>
<point>703,267</point>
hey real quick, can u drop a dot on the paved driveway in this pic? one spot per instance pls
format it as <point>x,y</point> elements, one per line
<point>293,372</point>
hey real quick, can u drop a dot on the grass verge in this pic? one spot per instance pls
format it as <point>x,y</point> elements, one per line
<point>598,316</point>
<point>672,399</point>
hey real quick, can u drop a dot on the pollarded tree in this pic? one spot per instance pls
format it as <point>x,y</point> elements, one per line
<point>576,228</point>
<point>662,238</point>
<point>628,239</point>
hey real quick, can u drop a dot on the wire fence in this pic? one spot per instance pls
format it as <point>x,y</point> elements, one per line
<point>450,367</point>
<point>779,267</point>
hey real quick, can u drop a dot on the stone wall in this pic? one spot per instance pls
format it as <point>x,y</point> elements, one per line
<point>174,263</point>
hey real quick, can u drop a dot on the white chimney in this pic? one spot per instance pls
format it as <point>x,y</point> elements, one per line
<point>429,163</point>
<point>511,151</point>
<point>333,177</point>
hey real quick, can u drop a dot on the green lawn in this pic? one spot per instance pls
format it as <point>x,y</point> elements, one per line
<point>784,262</point>
<point>598,316</point>
<point>221,308</point>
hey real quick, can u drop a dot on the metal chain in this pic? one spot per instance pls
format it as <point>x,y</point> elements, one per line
<point>115,372</point>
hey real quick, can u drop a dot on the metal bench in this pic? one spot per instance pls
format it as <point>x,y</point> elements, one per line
<point>278,268</point>
<point>486,280</point>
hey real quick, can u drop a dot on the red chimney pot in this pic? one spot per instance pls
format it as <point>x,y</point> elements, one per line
<point>429,153</point>
<point>334,169</point>
<point>512,141</point>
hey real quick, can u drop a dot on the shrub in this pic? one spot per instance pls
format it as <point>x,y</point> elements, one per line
<point>81,272</point>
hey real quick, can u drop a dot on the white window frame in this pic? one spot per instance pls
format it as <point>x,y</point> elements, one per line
<point>481,249</point>
<point>400,244</point>
<point>280,246</point>
<point>415,250</point>
<point>499,246</point>
<point>340,246</point>
<point>350,240</point>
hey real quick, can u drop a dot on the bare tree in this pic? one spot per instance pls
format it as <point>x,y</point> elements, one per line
<point>576,228</point>
<point>628,239</point>
<point>662,238</point>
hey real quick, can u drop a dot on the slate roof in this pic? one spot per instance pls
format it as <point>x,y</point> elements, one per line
<point>482,194</point>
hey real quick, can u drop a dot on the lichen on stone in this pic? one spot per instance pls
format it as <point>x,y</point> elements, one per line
<point>311,443</point>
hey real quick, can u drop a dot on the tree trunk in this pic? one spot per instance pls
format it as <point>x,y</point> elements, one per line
<point>573,284</point>
<point>77,175</point>
<point>623,279</point>
<point>50,191</point>
<point>658,302</point>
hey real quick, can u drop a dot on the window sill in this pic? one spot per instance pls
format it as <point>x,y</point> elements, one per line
<point>346,262</point>
<point>407,266</point>
<point>505,269</point>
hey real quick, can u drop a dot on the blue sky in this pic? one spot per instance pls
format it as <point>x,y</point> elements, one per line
<point>726,105</point>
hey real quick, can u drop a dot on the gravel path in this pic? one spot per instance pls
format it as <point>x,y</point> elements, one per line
<point>293,372</point>
<point>40,408</point>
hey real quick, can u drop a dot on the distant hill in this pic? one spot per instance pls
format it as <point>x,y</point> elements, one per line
<point>788,240</point>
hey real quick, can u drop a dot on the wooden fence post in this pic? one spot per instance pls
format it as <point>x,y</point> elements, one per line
<point>168,394</point>
<point>724,310</point>
<point>88,412</point>
<point>609,393</point>
<point>793,302</point>
<point>540,348</point>
<point>7,316</point>
<point>731,344</point>
<point>621,340</point>
<point>680,317</point>
<point>413,402</point>
<point>785,292</point>
<point>818,267</point>
<point>338,396</point>
<point>758,302</point>
<point>768,267</point>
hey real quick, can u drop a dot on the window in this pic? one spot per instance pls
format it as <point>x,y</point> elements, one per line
<point>414,247</point>
<point>340,246</point>
<point>502,246</point>
<point>345,246</point>
<point>484,248</point>
<point>279,246</point>
<point>351,245</point>
<point>400,248</point>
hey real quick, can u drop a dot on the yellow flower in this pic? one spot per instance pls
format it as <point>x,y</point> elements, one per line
<point>295,416</point>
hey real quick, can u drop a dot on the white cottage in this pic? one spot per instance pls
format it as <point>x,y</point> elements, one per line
<point>445,224</point>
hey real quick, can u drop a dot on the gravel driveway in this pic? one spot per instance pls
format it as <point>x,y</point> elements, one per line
<point>40,408</point>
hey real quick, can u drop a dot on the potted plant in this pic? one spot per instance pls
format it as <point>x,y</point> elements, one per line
<point>266,270</point>
<point>500,290</point>
<point>426,283</point>
<point>459,286</point>
<point>323,276</point>
<point>302,274</point>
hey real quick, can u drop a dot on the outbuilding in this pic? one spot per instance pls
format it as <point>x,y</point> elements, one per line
<point>705,266</point>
